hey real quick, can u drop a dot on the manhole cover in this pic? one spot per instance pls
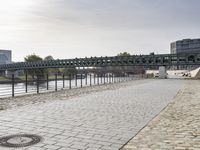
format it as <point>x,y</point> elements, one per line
<point>19,140</point>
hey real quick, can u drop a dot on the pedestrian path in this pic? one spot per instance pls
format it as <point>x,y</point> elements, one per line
<point>104,120</point>
<point>176,127</point>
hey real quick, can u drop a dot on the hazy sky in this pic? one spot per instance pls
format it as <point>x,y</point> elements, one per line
<point>79,28</point>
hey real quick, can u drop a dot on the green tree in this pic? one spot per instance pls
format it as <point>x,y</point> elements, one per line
<point>32,58</point>
<point>124,54</point>
<point>69,71</point>
<point>152,53</point>
<point>48,58</point>
<point>34,72</point>
<point>51,70</point>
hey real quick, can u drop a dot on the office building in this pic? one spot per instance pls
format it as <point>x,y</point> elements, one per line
<point>5,56</point>
<point>185,46</point>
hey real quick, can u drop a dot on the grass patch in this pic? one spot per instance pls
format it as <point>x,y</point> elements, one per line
<point>2,78</point>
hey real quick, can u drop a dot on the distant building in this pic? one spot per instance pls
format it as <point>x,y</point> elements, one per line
<point>5,56</point>
<point>185,46</point>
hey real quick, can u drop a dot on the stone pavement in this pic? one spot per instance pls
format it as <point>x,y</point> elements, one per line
<point>103,120</point>
<point>176,127</point>
<point>32,99</point>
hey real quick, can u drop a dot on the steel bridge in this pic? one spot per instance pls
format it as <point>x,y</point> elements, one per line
<point>185,59</point>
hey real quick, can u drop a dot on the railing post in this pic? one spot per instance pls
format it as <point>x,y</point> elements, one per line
<point>101,78</point>
<point>70,81</point>
<point>37,84</point>
<point>26,83</point>
<point>81,80</point>
<point>47,81</point>
<point>76,80</point>
<point>56,83</point>
<point>98,79</point>
<point>63,81</point>
<point>94,79</point>
<point>107,78</point>
<point>128,76</point>
<point>13,85</point>
<point>90,79</point>
<point>104,76</point>
<point>86,79</point>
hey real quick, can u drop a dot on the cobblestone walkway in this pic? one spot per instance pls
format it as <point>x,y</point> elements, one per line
<point>177,127</point>
<point>103,120</point>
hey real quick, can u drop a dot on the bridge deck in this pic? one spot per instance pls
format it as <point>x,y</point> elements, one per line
<point>134,60</point>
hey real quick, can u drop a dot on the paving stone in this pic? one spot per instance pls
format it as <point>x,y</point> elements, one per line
<point>105,118</point>
<point>176,127</point>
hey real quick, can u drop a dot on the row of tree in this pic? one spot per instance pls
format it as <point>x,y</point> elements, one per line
<point>41,72</point>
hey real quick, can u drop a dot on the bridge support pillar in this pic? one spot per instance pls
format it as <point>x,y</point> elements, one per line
<point>162,72</point>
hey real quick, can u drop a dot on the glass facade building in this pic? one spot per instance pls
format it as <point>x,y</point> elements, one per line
<point>5,56</point>
<point>185,46</point>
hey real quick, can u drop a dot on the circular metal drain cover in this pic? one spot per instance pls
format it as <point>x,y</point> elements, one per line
<point>20,140</point>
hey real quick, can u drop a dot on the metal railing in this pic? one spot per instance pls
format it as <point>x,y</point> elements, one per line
<point>15,87</point>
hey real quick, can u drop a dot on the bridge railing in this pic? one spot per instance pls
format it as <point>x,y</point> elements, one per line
<point>15,86</point>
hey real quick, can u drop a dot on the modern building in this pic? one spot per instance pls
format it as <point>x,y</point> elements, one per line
<point>5,56</point>
<point>185,46</point>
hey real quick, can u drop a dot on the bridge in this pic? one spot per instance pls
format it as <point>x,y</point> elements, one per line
<point>133,60</point>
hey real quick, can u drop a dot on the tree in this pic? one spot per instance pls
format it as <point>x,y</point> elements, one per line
<point>69,71</point>
<point>50,70</point>
<point>124,54</point>
<point>34,72</point>
<point>32,58</point>
<point>48,58</point>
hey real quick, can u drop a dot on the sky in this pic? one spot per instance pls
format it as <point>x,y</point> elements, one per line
<point>84,28</point>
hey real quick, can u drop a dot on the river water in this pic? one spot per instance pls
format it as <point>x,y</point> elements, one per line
<point>20,88</point>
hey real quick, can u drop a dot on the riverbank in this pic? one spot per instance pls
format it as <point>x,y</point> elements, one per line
<point>8,103</point>
<point>176,127</point>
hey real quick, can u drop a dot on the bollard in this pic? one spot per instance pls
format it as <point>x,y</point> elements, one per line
<point>13,85</point>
